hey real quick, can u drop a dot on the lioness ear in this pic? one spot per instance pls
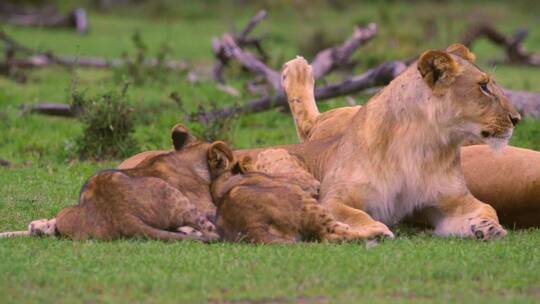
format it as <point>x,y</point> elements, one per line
<point>180,137</point>
<point>462,51</point>
<point>437,68</point>
<point>220,157</point>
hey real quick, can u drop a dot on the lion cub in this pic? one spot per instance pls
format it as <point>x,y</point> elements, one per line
<point>263,208</point>
<point>165,197</point>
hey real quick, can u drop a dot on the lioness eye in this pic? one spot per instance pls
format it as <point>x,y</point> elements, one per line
<point>484,88</point>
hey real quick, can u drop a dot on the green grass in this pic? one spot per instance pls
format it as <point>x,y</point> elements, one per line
<point>45,176</point>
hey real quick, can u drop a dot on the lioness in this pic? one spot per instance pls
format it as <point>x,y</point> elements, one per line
<point>510,182</point>
<point>154,200</point>
<point>264,208</point>
<point>401,151</point>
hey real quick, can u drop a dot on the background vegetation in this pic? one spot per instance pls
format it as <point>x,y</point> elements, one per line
<point>45,173</point>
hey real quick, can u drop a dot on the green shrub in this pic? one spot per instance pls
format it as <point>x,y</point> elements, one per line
<point>108,125</point>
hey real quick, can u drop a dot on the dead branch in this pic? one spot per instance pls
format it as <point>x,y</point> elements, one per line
<point>250,62</point>
<point>325,61</point>
<point>4,163</point>
<point>241,40</point>
<point>53,109</point>
<point>44,17</point>
<point>378,76</point>
<point>329,59</point>
<point>45,60</point>
<point>513,45</point>
<point>35,59</point>
<point>527,103</point>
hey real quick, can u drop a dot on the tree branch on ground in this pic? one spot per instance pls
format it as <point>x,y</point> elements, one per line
<point>44,17</point>
<point>513,45</point>
<point>241,40</point>
<point>527,103</point>
<point>36,59</point>
<point>329,59</point>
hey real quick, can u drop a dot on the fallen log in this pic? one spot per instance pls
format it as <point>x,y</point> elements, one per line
<point>375,77</point>
<point>250,62</point>
<point>53,109</point>
<point>4,163</point>
<point>241,39</point>
<point>45,60</point>
<point>37,59</point>
<point>329,59</point>
<point>527,103</point>
<point>44,17</point>
<point>512,45</point>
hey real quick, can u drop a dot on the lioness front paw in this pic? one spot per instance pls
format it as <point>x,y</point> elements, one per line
<point>297,76</point>
<point>486,229</point>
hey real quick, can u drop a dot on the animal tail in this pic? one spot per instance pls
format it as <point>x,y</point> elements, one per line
<point>298,82</point>
<point>165,235</point>
<point>13,234</point>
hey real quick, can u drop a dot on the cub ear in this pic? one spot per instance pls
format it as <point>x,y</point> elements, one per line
<point>180,137</point>
<point>462,51</point>
<point>243,166</point>
<point>437,68</point>
<point>220,157</point>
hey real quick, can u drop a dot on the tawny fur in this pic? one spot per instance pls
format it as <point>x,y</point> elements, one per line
<point>509,181</point>
<point>262,208</point>
<point>154,200</point>
<point>401,151</point>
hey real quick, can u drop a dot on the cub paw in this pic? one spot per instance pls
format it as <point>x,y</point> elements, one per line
<point>297,76</point>
<point>42,227</point>
<point>187,230</point>
<point>486,229</point>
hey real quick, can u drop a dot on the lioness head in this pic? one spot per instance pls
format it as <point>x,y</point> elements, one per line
<point>478,105</point>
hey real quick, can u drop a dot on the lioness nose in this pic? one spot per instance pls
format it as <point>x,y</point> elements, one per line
<point>514,118</point>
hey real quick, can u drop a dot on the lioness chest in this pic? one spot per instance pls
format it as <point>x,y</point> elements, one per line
<point>389,199</point>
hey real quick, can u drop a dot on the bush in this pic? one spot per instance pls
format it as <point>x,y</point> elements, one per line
<point>108,125</point>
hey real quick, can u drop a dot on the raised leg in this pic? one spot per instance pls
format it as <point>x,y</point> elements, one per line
<point>298,83</point>
<point>466,216</point>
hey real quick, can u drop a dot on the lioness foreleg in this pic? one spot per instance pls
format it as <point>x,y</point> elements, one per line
<point>466,216</point>
<point>359,221</point>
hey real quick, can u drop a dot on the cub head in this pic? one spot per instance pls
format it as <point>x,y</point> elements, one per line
<point>221,160</point>
<point>225,170</point>
<point>477,105</point>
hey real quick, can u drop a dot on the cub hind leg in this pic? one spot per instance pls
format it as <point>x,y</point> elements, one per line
<point>191,222</point>
<point>150,232</point>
